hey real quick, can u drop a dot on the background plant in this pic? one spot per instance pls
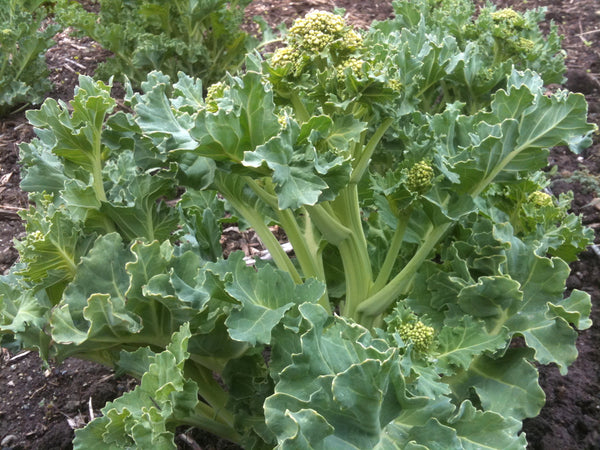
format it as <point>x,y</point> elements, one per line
<point>423,245</point>
<point>494,40</point>
<point>202,38</point>
<point>24,39</point>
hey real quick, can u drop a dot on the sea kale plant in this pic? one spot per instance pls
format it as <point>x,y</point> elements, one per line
<point>203,38</point>
<point>429,261</point>
<point>23,43</point>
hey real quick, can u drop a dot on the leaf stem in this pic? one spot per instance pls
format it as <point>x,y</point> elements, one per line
<point>358,282</point>
<point>390,258</point>
<point>306,249</point>
<point>377,303</point>
<point>97,178</point>
<point>267,197</point>
<point>328,224</point>
<point>209,389</point>
<point>282,260</point>
<point>96,162</point>
<point>347,208</point>
<point>305,246</point>
<point>203,418</point>
<point>353,250</point>
<point>256,221</point>
<point>365,157</point>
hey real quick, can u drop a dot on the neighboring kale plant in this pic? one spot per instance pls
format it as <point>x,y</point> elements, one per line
<point>423,245</point>
<point>23,44</point>
<point>203,38</point>
<point>494,42</point>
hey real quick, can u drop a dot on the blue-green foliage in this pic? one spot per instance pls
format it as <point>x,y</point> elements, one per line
<point>202,38</point>
<point>410,189</point>
<point>23,44</point>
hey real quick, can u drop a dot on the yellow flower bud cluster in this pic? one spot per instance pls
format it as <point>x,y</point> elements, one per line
<point>509,17</point>
<point>284,56</point>
<point>319,29</point>
<point>316,30</point>
<point>419,334</point>
<point>485,75</point>
<point>316,33</point>
<point>540,199</point>
<point>507,22</point>
<point>355,65</point>
<point>282,119</point>
<point>394,85</point>
<point>419,178</point>
<point>523,45</point>
<point>351,40</point>
<point>214,92</point>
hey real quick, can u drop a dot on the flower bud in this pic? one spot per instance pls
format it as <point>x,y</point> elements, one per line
<point>540,199</point>
<point>419,334</point>
<point>419,178</point>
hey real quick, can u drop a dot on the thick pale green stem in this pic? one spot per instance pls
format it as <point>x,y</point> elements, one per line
<point>256,221</point>
<point>97,178</point>
<point>267,197</point>
<point>365,157</point>
<point>329,225</point>
<point>300,244</point>
<point>381,300</point>
<point>353,250</point>
<point>306,249</point>
<point>351,214</point>
<point>282,260</point>
<point>392,254</point>
<point>340,224</point>
<point>357,274</point>
<point>96,161</point>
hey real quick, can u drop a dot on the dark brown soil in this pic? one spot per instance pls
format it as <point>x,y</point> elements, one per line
<point>40,407</point>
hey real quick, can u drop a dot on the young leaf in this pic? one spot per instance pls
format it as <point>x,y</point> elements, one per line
<point>265,297</point>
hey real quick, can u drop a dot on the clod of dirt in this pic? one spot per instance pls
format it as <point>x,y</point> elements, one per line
<point>580,81</point>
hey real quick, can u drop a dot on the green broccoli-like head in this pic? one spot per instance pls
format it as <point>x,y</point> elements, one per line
<point>395,85</point>
<point>509,17</point>
<point>420,177</point>
<point>355,65</point>
<point>214,92</point>
<point>286,55</point>
<point>507,23</point>
<point>419,334</point>
<point>523,45</point>
<point>540,199</point>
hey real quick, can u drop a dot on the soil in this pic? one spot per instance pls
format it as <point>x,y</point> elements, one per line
<point>39,407</point>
